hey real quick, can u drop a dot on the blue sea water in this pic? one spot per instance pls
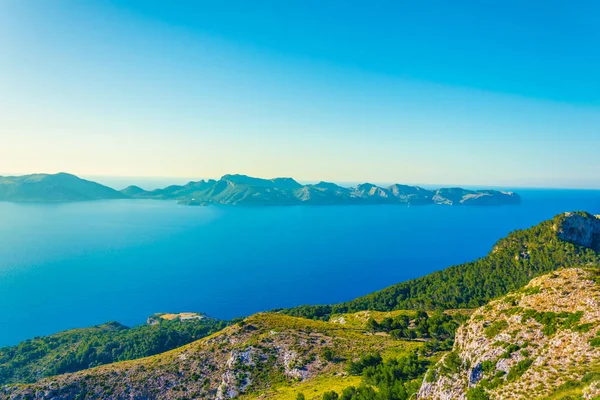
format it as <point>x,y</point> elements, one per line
<point>74,265</point>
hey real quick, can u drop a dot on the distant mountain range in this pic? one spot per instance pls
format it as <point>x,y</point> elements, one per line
<point>45,188</point>
<point>244,190</point>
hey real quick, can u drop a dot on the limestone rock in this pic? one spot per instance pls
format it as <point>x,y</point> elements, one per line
<point>527,343</point>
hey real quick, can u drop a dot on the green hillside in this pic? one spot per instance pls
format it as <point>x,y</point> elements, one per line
<point>267,355</point>
<point>79,349</point>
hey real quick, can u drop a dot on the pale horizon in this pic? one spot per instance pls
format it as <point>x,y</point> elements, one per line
<point>137,89</point>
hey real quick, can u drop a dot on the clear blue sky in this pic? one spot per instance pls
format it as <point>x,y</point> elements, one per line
<point>469,92</point>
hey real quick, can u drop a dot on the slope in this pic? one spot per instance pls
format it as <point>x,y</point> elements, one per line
<point>258,355</point>
<point>539,342</point>
<point>79,349</point>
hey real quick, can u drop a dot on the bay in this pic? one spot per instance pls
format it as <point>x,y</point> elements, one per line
<point>79,264</point>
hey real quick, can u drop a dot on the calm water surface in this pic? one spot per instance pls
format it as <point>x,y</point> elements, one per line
<point>74,265</point>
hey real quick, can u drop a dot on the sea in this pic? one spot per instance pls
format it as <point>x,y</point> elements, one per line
<point>73,265</point>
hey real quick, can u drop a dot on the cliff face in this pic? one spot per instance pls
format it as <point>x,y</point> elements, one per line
<point>580,228</point>
<point>533,343</point>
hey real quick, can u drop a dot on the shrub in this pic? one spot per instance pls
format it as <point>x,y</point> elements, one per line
<point>327,354</point>
<point>366,360</point>
<point>477,393</point>
<point>452,363</point>
<point>495,328</point>
<point>488,366</point>
<point>519,369</point>
<point>330,395</point>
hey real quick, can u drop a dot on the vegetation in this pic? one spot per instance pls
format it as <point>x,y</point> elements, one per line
<point>79,349</point>
<point>270,351</point>
<point>477,393</point>
<point>519,369</point>
<point>574,389</point>
<point>552,321</point>
<point>595,341</point>
<point>439,326</point>
<point>495,328</point>
<point>542,351</point>
<point>395,379</point>
<point>513,262</point>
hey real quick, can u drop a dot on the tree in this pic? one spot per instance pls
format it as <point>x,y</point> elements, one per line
<point>372,325</point>
<point>327,354</point>
<point>477,393</point>
<point>330,395</point>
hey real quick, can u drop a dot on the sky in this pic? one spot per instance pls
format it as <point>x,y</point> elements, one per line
<point>489,93</point>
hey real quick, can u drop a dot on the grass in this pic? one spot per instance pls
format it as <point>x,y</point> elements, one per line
<point>312,389</point>
<point>574,389</point>
<point>495,328</point>
<point>359,319</point>
<point>349,341</point>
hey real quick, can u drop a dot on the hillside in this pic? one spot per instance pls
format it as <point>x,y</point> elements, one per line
<point>45,188</point>
<point>79,349</point>
<point>267,355</point>
<point>567,240</point>
<point>245,190</point>
<point>542,341</point>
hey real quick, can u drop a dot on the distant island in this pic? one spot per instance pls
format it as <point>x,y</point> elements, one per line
<point>53,188</point>
<point>244,190</point>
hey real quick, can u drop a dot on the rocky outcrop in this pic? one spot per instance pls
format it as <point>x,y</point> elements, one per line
<point>580,228</point>
<point>234,379</point>
<point>527,344</point>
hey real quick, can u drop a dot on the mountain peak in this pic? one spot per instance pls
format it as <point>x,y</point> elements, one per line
<point>327,185</point>
<point>245,180</point>
<point>286,183</point>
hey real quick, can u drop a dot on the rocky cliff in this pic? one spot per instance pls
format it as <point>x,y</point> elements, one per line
<point>540,341</point>
<point>581,228</point>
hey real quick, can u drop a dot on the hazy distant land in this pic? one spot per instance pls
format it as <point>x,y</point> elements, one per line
<point>243,190</point>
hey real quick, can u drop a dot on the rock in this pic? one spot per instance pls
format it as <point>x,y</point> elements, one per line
<point>580,228</point>
<point>527,343</point>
